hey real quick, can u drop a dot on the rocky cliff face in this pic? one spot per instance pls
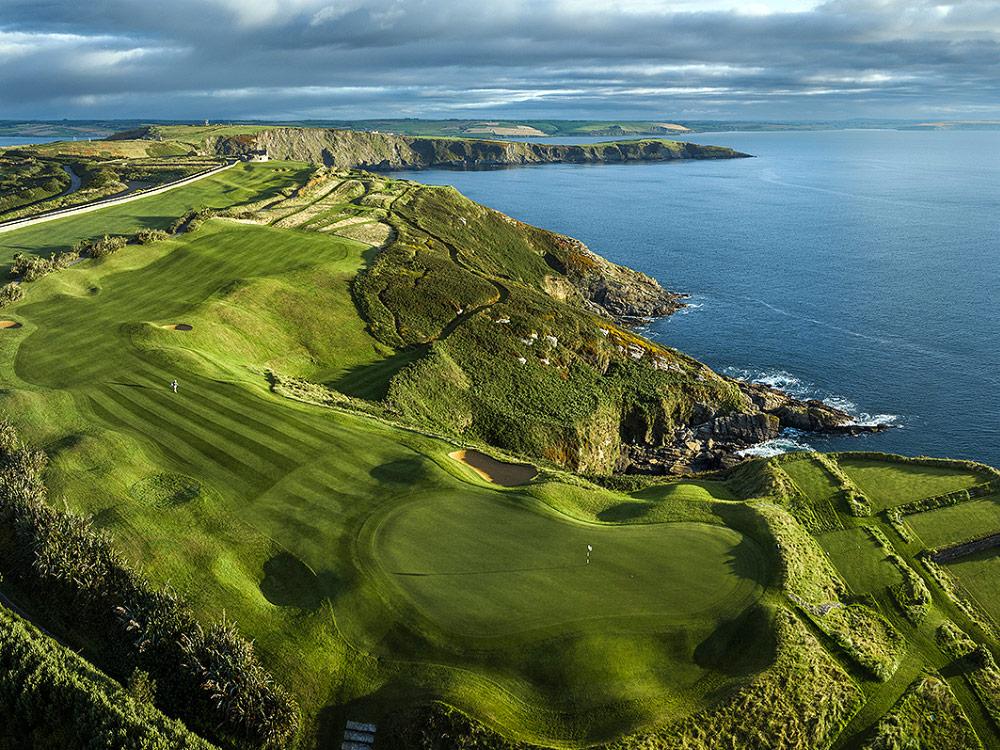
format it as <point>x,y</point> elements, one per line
<point>347,149</point>
<point>712,437</point>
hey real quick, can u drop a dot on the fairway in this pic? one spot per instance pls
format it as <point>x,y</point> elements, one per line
<point>244,182</point>
<point>890,483</point>
<point>957,523</point>
<point>442,553</point>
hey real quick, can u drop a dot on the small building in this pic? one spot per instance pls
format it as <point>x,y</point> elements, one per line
<point>256,155</point>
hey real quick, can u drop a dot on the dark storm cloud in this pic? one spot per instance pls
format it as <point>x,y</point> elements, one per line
<point>634,58</point>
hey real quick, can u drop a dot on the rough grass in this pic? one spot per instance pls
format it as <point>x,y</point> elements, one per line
<point>927,717</point>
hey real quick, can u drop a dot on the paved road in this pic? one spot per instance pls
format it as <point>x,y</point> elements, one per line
<point>10,226</point>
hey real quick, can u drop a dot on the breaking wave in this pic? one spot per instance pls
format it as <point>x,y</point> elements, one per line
<point>788,442</point>
<point>794,386</point>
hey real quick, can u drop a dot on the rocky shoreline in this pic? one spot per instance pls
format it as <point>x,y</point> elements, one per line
<point>715,440</point>
<point>711,439</point>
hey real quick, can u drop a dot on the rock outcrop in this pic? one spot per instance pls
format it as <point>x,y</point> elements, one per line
<point>617,291</point>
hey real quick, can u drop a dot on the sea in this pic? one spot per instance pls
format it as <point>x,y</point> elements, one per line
<point>860,267</point>
<point>22,141</point>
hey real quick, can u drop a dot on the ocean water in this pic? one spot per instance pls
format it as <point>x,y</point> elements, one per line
<point>8,142</point>
<point>860,267</point>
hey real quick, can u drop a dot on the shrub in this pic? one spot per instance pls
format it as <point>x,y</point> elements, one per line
<point>50,697</point>
<point>10,293</point>
<point>32,267</point>
<point>148,236</point>
<point>107,245</point>
<point>211,677</point>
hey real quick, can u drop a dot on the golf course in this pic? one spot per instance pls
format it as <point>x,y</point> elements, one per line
<point>389,463</point>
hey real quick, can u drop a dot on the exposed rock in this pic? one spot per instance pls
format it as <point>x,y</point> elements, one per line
<point>713,441</point>
<point>348,149</point>
<point>622,293</point>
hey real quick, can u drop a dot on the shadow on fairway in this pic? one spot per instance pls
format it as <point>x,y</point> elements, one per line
<point>403,471</point>
<point>491,572</point>
<point>371,381</point>
<point>628,511</point>
<point>289,582</point>
<point>65,443</point>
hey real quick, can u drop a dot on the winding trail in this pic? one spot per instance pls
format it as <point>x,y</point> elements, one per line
<point>61,213</point>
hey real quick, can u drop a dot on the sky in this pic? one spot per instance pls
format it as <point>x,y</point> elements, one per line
<point>585,59</point>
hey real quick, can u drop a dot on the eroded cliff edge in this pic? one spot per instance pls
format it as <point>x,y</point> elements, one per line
<point>347,149</point>
<point>522,338</point>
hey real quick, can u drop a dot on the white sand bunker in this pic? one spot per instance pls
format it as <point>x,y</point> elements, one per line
<point>492,470</point>
<point>9,324</point>
<point>179,327</point>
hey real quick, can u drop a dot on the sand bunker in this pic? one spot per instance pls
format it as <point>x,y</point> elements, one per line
<point>179,327</point>
<point>498,472</point>
<point>9,324</point>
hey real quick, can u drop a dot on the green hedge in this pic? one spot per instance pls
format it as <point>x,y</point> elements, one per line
<point>51,697</point>
<point>211,676</point>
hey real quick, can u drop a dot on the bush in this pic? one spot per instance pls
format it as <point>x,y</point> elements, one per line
<point>210,677</point>
<point>32,267</point>
<point>10,293</point>
<point>148,236</point>
<point>107,245</point>
<point>55,698</point>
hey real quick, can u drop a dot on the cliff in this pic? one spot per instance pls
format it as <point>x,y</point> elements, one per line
<point>519,338</point>
<point>345,149</point>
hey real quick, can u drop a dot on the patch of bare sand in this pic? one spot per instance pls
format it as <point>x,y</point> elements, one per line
<point>492,470</point>
<point>9,324</point>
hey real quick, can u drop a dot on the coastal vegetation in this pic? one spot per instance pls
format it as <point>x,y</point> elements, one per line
<point>420,460</point>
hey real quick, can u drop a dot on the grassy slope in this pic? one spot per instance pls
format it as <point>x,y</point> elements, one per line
<point>282,490</point>
<point>298,521</point>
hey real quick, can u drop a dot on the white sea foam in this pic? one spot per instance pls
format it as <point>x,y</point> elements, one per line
<point>794,386</point>
<point>788,442</point>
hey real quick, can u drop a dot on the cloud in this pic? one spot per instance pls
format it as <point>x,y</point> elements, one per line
<point>297,59</point>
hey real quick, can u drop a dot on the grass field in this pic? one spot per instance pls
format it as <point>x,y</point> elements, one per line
<point>957,523</point>
<point>362,560</point>
<point>888,483</point>
<point>979,575</point>
<point>859,559</point>
<point>234,186</point>
<point>374,571</point>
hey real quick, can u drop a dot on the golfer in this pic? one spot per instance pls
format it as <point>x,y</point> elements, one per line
<point>173,386</point>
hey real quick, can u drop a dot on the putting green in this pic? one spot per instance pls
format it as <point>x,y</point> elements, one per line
<point>443,554</point>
